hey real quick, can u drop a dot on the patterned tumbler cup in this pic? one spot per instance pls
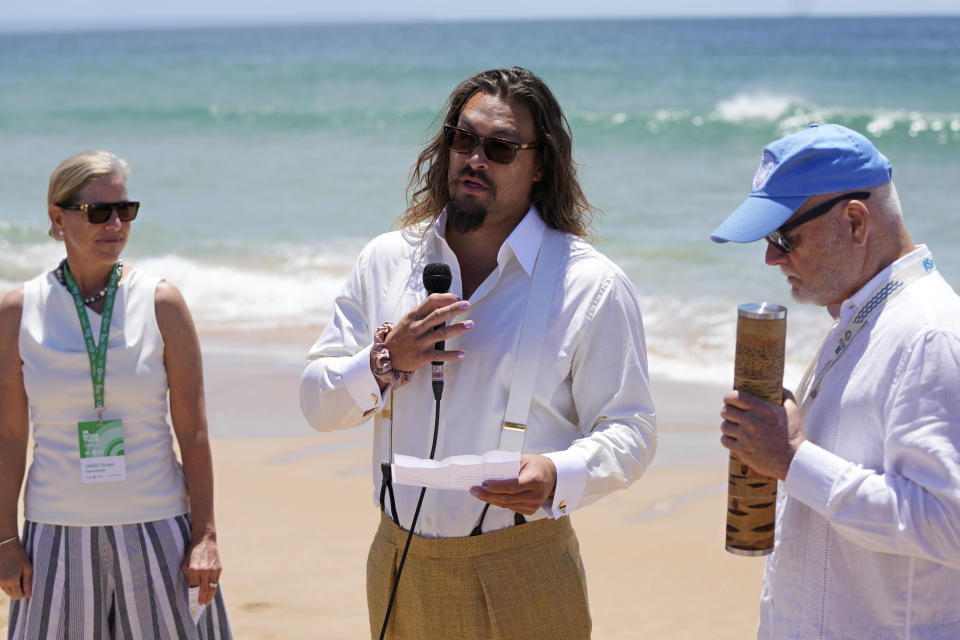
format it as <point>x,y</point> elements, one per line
<point>758,370</point>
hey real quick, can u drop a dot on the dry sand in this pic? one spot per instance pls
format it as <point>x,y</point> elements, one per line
<point>295,515</point>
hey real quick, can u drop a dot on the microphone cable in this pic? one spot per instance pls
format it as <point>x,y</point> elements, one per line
<point>437,392</point>
<point>436,279</point>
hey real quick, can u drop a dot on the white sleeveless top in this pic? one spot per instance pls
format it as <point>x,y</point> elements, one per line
<point>56,376</point>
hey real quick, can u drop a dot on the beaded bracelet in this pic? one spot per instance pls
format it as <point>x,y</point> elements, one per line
<point>383,369</point>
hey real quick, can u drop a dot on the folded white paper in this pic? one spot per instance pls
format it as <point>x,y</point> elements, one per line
<point>455,472</point>
<point>193,595</point>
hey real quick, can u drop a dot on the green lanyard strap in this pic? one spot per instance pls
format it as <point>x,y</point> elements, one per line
<point>97,352</point>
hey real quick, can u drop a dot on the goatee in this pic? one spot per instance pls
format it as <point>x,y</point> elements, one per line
<point>465,220</point>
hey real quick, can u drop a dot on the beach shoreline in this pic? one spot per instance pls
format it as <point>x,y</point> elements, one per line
<point>295,514</point>
<point>266,156</point>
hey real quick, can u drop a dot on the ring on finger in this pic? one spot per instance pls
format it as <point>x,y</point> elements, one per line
<point>212,585</point>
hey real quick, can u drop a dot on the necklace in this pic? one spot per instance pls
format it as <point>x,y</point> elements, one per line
<point>91,299</point>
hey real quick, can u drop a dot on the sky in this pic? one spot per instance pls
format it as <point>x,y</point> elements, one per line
<point>16,14</point>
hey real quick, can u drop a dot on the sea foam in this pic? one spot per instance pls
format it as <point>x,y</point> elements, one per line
<point>756,106</point>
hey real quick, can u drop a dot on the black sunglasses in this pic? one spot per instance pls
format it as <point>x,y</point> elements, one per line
<point>496,149</point>
<point>779,237</point>
<point>99,212</point>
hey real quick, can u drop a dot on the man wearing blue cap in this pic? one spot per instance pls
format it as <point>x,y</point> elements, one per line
<point>868,524</point>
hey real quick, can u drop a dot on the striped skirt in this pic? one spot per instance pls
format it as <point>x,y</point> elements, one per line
<point>112,582</point>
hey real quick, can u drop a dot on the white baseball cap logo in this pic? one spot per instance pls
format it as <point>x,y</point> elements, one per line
<point>763,171</point>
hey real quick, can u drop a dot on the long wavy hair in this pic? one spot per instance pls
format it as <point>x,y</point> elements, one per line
<point>558,194</point>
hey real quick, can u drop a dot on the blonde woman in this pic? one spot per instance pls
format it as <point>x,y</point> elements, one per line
<point>119,539</point>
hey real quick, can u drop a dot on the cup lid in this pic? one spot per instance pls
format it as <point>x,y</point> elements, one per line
<point>762,311</point>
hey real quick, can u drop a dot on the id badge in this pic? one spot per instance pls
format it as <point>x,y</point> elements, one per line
<point>102,456</point>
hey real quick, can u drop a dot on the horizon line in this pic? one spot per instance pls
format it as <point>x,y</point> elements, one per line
<point>148,23</point>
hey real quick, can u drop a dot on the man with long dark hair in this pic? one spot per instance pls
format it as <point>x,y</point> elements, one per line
<point>544,356</point>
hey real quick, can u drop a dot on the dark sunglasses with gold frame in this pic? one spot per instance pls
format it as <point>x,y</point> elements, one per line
<point>99,212</point>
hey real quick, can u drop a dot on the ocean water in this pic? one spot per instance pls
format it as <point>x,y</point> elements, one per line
<point>266,157</point>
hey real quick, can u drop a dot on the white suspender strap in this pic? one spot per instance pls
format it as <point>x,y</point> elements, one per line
<point>546,270</point>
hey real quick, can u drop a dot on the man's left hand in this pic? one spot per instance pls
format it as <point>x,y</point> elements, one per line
<point>527,492</point>
<point>764,435</point>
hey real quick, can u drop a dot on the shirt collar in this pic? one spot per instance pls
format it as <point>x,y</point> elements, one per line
<point>524,241</point>
<point>439,228</point>
<point>852,304</point>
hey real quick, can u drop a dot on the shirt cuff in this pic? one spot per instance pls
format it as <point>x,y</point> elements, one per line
<point>812,475</point>
<point>571,482</point>
<point>359,381</point>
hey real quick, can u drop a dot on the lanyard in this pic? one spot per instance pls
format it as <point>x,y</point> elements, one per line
<point>96,352</point>
<point>883,294</point>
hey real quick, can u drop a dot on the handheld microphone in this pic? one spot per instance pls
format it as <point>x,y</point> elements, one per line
<point>436,279</point>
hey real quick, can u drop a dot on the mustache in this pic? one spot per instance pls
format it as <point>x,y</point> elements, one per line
<point>473,174</point>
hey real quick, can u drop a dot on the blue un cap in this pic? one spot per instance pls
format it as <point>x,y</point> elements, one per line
<point>825,158</point>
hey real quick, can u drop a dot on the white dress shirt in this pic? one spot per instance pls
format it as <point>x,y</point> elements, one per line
<point>868,527</point>
<point>591,413</point>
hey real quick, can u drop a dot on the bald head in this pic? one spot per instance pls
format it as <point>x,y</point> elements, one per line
<point>888,239</point>
<point>885,203</point>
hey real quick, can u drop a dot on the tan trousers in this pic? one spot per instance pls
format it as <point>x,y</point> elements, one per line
<point>520,582</point>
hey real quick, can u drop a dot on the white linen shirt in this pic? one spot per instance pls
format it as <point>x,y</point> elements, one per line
<point>868,527</point>
<point>591,412</point>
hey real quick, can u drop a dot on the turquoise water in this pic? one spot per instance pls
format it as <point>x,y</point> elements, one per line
<point>265,157</point>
